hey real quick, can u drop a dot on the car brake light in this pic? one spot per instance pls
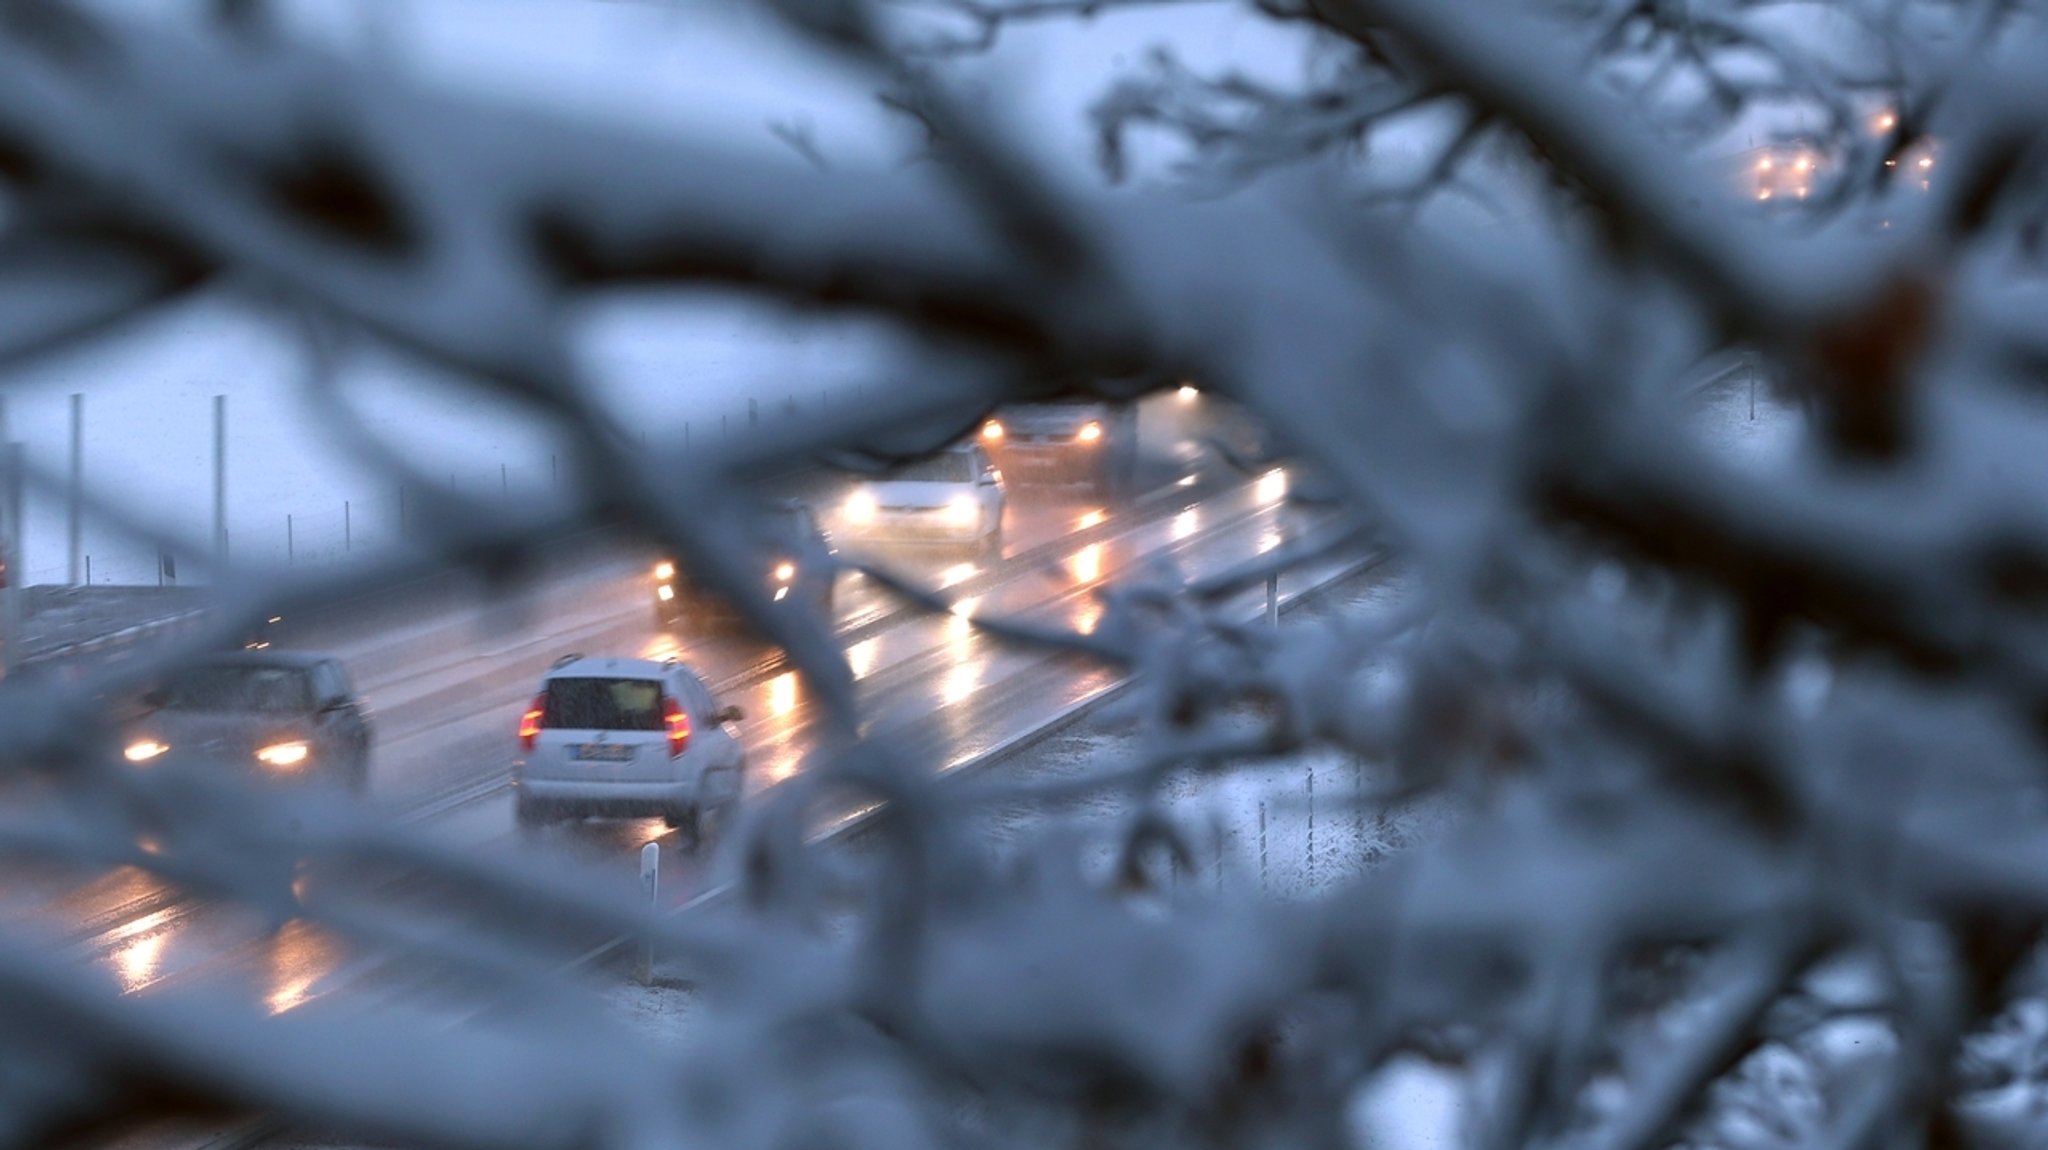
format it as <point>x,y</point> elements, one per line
<point>530,724</point>
<point>678,726</point>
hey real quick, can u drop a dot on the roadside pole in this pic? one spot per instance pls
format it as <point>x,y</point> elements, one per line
<point>76,490</point>
<point>11,608</point>
<point>220,479</point>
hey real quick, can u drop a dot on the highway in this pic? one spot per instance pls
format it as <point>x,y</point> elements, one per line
<point>446,693</point>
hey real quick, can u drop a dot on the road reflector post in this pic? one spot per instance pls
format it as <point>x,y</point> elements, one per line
<point>1273,600</point>
<point>650,888</point>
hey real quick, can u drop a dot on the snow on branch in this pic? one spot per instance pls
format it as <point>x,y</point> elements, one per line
<point>1600,664</point>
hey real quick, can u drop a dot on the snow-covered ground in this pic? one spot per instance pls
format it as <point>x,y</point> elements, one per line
<point>1743,421</point>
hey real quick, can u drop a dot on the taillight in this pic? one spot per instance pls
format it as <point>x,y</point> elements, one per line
<point>678,726</point>
<point>530,724</point>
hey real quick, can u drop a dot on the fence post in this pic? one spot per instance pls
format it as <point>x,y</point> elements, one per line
<point>1219,855</point>
<point>88,570</point>
<point>504,481</point>
<point>650,888</point>
<point>75,493</point>
<point>753,412</point>
<point>1273,600</point>
<point>220,477</point>
<point>1262,844</point>
<point>17,571</point>
<point>1311,826</point>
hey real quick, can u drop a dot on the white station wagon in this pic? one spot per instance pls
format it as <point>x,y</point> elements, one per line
<point>954,497</point>
<point>629,738</point>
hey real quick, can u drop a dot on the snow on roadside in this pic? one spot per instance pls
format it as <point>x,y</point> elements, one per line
<point>1743,420</point>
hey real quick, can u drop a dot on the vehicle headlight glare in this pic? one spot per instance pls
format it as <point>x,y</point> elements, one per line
<point>860,506</point>
<point>785,571</point>
<point>993,429</point>
<point>664,592</point>
<point>143,750</point>
<point>664,571</point>
<point>1091,431</point>
<point>284,754</point>
<point>962,511</point>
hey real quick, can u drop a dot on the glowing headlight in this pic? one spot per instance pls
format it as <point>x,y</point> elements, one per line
<point>664,592</point>
<point>860,506</point>
<point>283,754</point>
<point>143,750</point>
<point>1187,391</point>
<point>962,511</point>
<point>784,572</point>
<point>664,571</point>
<point>1090,431</point>
<point>993,429</point>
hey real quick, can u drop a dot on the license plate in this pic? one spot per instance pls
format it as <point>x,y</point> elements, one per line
<point>601,752</point>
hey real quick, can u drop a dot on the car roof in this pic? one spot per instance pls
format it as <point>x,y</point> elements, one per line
<point>578,667</point>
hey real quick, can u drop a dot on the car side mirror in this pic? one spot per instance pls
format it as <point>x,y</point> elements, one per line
<point>728,715</point>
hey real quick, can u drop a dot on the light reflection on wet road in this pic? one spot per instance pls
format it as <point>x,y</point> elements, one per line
<point>938,687</point>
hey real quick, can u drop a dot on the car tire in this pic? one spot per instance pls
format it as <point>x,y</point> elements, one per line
<point>687,821</point>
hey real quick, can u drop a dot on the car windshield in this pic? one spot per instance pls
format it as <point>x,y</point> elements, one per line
<point>603,704</point>
<point>264,690</point>
<point>947,467</point>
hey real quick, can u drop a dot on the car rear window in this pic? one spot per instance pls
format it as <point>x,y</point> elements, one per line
<point>948,467</point>
<point>265,690</point>
<point>604,704</point>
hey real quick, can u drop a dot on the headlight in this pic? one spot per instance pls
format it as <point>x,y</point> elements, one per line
<point>143,750</point>
<point>962,511</point>
<point>664,592</point>
<point>785,571</point>
<point>992,430</point>
<point>284,754</point>
<point>1090,431</point>
<point>860,506</point>
<point>664,571</point>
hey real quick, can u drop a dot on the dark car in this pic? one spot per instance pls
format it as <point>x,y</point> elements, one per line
<point>797,568</point>
<point>285,715</point>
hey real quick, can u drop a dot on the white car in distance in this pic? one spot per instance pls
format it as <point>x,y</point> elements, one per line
<point>954,498</point>
<point>625,737</point>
